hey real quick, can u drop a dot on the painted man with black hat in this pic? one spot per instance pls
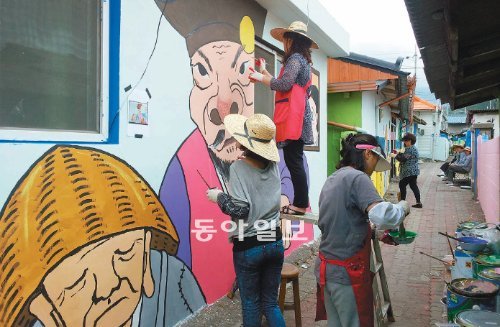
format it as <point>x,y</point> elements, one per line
<point>220,38</point>
<point>220,41</point>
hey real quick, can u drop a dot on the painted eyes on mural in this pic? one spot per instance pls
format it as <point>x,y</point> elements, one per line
<point>201,76</point>
<point>128,254</point>
<point>201,69</point>
<point>74,288</point>
<point>244,67</point>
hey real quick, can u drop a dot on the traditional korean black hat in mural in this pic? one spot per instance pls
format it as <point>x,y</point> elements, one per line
<point>201,22</point>
<point>296,27</point>
<point>70,197</point>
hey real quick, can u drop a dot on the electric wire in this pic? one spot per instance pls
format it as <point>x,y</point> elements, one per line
<point>145,68</point>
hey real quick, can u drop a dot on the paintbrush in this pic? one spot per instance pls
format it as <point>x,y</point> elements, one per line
<point>445,262</point>
<point>208,186</point>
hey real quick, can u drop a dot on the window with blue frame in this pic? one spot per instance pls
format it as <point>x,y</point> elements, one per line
<point>54,70</point>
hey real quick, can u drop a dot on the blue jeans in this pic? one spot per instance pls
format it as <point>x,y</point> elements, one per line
<point>258,271</point>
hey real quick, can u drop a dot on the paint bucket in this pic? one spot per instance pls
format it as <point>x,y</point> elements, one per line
<point>466,228</point>
<point>466,293</point>
<point>463,264</point>
<point>478,318</point>
<point>492,275</point>
<point>407,238</point>
<point>483,261</point>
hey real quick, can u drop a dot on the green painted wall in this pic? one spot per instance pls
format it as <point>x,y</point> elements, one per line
<point>345,110</point>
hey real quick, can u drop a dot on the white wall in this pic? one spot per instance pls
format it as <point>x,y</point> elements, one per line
<point>376,121</point>
<point>425,142</point>
<point>369,111</point>
<point>169,80</point>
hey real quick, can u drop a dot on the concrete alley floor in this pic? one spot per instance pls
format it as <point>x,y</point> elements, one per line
<point>416,282</point>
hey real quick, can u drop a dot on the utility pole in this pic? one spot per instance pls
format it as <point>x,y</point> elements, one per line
<point>415,56</point>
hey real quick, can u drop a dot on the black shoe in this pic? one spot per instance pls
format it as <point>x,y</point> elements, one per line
<point>418,205</point>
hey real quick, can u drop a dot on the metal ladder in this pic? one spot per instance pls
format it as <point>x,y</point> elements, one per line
<point>381,298</point>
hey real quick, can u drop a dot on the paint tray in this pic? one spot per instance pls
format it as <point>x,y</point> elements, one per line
<point>407,238</point>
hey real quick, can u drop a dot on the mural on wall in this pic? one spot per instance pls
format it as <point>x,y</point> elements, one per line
<point>314,100</point>
<point>220,38</point>
<point>85,241</point>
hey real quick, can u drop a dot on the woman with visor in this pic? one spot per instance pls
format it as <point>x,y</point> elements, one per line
<point>348,203</point>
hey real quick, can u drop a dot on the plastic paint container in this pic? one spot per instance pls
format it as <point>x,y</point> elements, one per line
<point>407,238</point>
<point>492,275</point>
<point>465,293</point>
<point>463,264</point>
<point>478,318</point>
<point>483,261</point>
<point>465,228</point>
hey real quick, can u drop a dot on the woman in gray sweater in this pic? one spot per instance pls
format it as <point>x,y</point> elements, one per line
<point>253,202</point>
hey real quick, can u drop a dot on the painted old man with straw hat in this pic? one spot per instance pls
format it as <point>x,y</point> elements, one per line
<point>86,242</point>
<point>253,202</point>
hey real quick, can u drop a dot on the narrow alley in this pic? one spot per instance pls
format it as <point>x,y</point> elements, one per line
<point>416,282</point>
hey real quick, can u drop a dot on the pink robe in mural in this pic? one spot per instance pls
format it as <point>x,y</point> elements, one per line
<point>183,193</point>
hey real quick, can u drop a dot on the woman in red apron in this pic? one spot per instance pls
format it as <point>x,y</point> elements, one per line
<point>348,203</point>
<point>292,115</point>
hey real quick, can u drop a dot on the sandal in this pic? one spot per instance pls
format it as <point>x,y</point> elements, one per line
<point>287,210</point>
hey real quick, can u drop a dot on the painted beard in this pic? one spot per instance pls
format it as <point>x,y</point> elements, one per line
<point>222,165</point>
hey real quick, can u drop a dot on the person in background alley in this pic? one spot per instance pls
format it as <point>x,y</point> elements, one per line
<point>409,168</point>
<point>460,167</point>
<point>348,203</point>
<point>292,115</point>
<point>253,203</point>
<point>458,157</point>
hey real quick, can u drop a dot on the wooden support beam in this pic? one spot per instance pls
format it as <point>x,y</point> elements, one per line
<point>393,100</point>
<point>471,72</point>
<point>478,81</point>
<point>348,127</point>
<point>477,96</point>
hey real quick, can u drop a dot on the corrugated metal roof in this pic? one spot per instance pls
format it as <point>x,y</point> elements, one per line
<point>460,45</point>
<point>457,119</point>
<point>370,62</point>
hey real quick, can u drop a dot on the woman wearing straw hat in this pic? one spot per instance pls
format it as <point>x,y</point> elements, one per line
<point>292,115</point>
<point>347,204</point>
<point>253,203</point>
<point>458,156</point>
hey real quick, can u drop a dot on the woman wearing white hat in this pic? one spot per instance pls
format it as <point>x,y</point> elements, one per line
<point>347,204</point>
<point>292,115</point>
<point>253,203</point>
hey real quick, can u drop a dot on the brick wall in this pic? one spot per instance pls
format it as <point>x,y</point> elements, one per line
<point>488,177</point>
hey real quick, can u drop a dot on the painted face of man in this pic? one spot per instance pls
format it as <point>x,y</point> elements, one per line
<point>221,87</point>
<point>101,285</point>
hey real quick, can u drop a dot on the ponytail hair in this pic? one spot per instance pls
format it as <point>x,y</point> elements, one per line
<point>352,157</point>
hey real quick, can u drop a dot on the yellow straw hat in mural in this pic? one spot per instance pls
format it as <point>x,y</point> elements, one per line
<point>296,27</point>
<point>256,133</point>
<point>71,197</point>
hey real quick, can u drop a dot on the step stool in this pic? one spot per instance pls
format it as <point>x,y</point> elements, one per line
<point>290,273</point>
